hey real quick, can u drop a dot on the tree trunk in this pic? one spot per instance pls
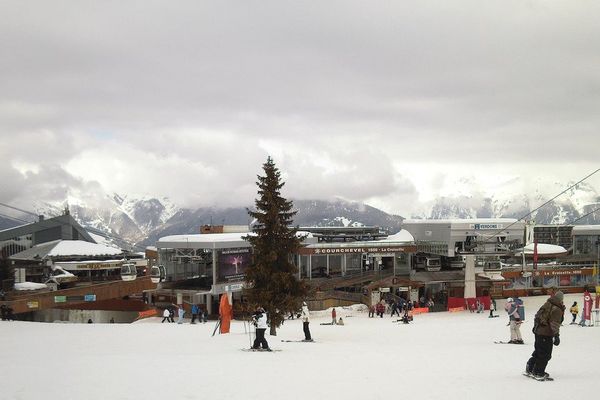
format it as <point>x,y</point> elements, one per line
<point>273,331</point>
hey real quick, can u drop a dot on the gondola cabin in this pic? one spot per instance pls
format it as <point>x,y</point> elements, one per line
<point>128,272</point>
<point>158,274</point>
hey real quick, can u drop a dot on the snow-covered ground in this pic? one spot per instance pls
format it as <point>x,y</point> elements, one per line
<point>438,356</point>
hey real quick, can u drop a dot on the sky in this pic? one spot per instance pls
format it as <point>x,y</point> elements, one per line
<point>387,103</point>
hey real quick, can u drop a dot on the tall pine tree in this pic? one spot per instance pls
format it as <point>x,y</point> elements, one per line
<point>272,278</point>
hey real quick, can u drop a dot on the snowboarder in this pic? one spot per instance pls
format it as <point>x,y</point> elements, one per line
<point>305,322</point>
<point>546,328</point>
<point>260,322</point>
<point>574,310</point>
<point>166,316</point>
<point>333,317</point>
<point>516,313</point>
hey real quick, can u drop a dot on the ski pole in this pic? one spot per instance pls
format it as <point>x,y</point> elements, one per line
<point>216,327</point>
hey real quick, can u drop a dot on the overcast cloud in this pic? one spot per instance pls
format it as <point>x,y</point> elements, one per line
<point>388,103</point>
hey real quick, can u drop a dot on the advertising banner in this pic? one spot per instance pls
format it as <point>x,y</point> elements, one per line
<point>232,264</point>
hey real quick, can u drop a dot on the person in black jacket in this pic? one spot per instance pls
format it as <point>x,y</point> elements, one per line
<point>546,327</point>
<point>260,321</point>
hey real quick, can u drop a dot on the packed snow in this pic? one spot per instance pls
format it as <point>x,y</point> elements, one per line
<point>438,356</point>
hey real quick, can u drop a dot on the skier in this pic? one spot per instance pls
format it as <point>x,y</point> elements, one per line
<point>260,322</point>
<point>546,328</point>
<point>492,309</point>
<point>371,311</point>
<point>166,316</point>
<point>333,317</point>
<point>574,310</point>
<point>516,314</point>
<point>171,314</point>
<point>305,322</point>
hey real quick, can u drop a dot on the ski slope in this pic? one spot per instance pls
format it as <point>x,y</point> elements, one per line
<point>438,356</point>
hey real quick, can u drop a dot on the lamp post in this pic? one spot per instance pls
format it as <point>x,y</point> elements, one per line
<point>597,269</point>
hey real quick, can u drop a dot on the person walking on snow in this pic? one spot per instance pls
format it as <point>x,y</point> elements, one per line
<point>546,327</point>
<point>333,317</point>
<point>516,314</point>
<point>166,316</point>
<point>180,314</point>
<point>260,322</point>
<point>194,313</point>
<point>574,310</point>
<point>305,322</point>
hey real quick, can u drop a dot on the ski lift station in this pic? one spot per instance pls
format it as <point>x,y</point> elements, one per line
<point>197,268</point>
<point>454,237</point>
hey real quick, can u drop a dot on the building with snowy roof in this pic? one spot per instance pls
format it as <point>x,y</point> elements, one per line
<point>63,227</point>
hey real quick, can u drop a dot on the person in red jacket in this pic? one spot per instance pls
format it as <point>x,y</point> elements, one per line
<point>380,308</point>
<point>333,317</point>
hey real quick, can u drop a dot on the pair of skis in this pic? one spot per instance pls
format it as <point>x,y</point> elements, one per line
<point>272,350</point>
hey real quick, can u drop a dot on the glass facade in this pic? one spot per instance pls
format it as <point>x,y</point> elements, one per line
<point>588,244</point>
<point>319,266</point>
<point>353,264</point>
<point>335,265</point>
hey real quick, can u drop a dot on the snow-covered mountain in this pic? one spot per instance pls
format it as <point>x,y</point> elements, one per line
<point>574,206</point>
<point>142,220</point>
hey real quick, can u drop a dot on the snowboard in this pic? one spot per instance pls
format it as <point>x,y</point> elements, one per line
<point>501,342</point>
<point>298,341</point>
<point>539,380</point>
<point>260,350</point>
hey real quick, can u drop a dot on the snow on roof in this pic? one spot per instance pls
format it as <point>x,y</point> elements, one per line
<point>402,236</point>
<point>82,248</point>
<point>585,228</point>
<point>543,248</point>
<point>204,237</point>
<point>460,221</point>
<point>30,286</point>
<point>207,238</point>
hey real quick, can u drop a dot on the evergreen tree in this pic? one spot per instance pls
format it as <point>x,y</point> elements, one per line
<point>272,278</point>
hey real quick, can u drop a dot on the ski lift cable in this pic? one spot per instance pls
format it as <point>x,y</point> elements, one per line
<point>15,218</point>
<point>547,202</point>
<point>19,209</point>
<point>585,215</point>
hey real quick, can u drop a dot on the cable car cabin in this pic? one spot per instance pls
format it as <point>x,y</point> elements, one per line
<point>128,272</point>
<point>429,263</point>
<point>158,274</point>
